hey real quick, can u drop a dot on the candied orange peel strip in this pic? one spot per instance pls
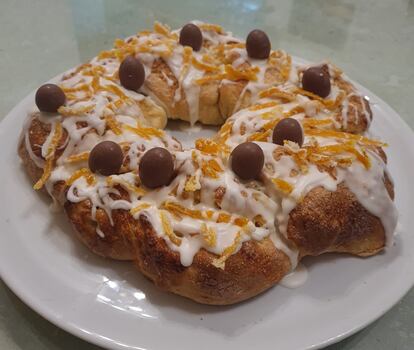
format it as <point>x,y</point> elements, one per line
<point>283,185</point>
<point>163,29</point>
<point>144,132</point>
<point>310,122</point>
<point>139,208</point>
<point>75,111</point>
<point>82,87</point>
<point>221,261</point>
<point>211,168</point>
<point>264,105</point>
<point>277,93</point>
<point>46,174</point>
<point>330,104</point>
<point>224,132</point>
<point>259,136</point>
<point>192,184</point>
<point>204,66</point>
<point>209,235</point>
<point>78,157</point>
<point>112,124</point>
<point>166,225</point>
<point>111,181</point>
<point>211,147</point>
<point>223,218</point>
<point>211,27</point>
<point>343,135</point>
<point>347,147</point>
<point>83,172</point>
<point>50,155</point>
<point>209,78</point>
<point>241,74</point>
<point>178,210</point>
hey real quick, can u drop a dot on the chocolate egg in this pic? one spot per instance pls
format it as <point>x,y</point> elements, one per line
<point>106,158</point>
<point>258,44</point>
<point>49,97</point>
<point>317,81</point>
<point>288,129</point>
<point>247,160</point>
<point>190,35</point>
<point>156,167</point>
<point>131,73</point>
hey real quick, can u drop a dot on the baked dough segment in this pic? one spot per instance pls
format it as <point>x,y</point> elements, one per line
<point>322,221</point>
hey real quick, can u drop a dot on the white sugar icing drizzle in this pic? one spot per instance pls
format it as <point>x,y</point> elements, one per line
<point>216,211</point>
<point>366,184</point>
<point>296,278</point>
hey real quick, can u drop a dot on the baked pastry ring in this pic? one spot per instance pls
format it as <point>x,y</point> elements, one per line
<point>216,223</point>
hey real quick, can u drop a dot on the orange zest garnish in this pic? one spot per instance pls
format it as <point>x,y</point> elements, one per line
<point>77,157</point>
<point>82,87</point>
<point>241,74</point>
<point>84,172</point>
<point>166,225</point>
<point>144,132</point>
<point>263,106</point>
<point>221,261</point>
<point>241,221</point>
<point>208,146</point>
<point>139,208</point>
<point>347,147</point>
<point>211,27</point>
<point>112,180</point>
<point>225,131</point>
<point>46,174</point>
<point>178,210</point>
<point>204,66</point>
<point>112,124</point>
<point>283,185</point>
<point>209,235</point>
<point>277,93</point>
<point>211,168</point>
<point>343,135</point>
<point>50,155</point>
<point>259,136</point>
<point>223,217</point>
<point>163,30</point>
<point>209,78</point>
<point>308,122</point>
<point>192,184</point>
<point>75,111</point>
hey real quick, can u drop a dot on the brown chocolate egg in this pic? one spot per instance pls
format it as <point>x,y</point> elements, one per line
<point>258,44</point>
<point>317,81</point>
<point>131,73</point>
<point>156,167</point>
<point>49,97</point>
<point>191,35</point>
<point>288,129</point>
<point>106,158</point>
<point>247,160</point>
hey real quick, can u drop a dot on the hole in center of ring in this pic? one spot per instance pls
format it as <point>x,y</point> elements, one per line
<point>187,134</point>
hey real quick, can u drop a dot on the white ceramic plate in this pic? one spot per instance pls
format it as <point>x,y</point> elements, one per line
<point>110,304</point>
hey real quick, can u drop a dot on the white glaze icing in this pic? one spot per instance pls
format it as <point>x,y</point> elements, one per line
<point>296,278</point>
<point>240,199</point>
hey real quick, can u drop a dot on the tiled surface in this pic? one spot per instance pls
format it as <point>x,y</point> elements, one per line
<point>371,40</point>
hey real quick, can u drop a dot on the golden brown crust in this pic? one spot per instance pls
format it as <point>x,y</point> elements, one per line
<point>328,221</point>
<point>346,227</point>
<point>254,268</point>
<point>358,112</point>
<point>111,243</point>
